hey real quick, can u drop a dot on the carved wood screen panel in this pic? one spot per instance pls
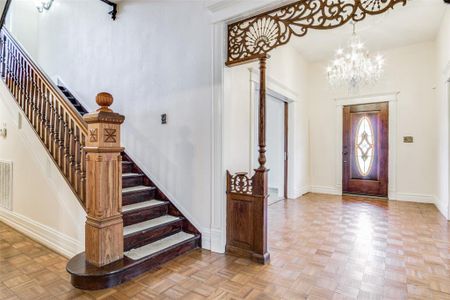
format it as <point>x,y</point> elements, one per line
<point>253,37</point>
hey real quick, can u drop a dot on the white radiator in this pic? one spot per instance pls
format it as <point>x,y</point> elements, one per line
<point>6,177</point>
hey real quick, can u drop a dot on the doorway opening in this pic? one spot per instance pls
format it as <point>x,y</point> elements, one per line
<point>277,113</point>
<point>365,151</point>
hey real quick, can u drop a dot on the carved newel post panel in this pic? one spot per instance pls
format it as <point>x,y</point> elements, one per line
<point>104,225</point>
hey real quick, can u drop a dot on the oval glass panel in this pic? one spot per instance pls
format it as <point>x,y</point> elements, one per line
<point>364,146</point>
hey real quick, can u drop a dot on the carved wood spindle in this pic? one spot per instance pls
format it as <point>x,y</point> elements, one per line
<point>77,161</point>
<point>83,168</point>
<point>66,144</point>
<point>3,55</point>
<point>62,133</point>
<point>39,128</point>
<point>33,98</point>
<point>28,88</point>
<point>104,225</point>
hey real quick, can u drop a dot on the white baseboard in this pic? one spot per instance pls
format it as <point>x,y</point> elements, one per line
<point>298,192</point>
<point>44,235</point>
<point>217,243</point>
<point>326,190</point>
<point>206,238</point>
<point>443,209</point>
<point>418,198</point>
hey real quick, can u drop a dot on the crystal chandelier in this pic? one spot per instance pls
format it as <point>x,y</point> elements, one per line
<point>353,66</point>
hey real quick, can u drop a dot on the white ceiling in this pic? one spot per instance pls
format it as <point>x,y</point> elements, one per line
<point>418,21</point>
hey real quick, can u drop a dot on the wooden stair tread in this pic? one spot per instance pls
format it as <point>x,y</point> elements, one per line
<point>138,188</point>
<point>158,246</point>
<point>126,175</point>
<point>150,224</point>
<point>142,205</point>
<point>89,277</point>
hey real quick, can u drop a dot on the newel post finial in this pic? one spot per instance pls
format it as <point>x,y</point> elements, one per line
<point>104,100</point>
<point>104,224</point>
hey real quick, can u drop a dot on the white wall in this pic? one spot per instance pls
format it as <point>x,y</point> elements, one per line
<point>409,71</point>
<point>286,75</point>
<point>139,59</point>
<point>44,206</point>
<point>443,98</point>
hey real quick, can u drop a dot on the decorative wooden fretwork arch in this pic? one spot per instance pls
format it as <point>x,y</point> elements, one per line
<point>258,35</point>
<point>252,39</point>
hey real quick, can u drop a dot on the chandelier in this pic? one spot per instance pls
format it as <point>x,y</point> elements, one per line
<point>353,66</point>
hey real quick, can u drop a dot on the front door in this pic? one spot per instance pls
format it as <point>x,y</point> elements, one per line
<point>365,149</point>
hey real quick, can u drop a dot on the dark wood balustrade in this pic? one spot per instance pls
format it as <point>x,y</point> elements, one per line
<point>61,129</point>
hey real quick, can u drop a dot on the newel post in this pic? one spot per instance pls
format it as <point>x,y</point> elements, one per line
<point>104,224</point>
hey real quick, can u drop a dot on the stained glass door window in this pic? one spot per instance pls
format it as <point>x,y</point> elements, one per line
<point>364,146</point>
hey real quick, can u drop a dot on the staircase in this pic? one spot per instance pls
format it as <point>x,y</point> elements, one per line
<point>155,231</point>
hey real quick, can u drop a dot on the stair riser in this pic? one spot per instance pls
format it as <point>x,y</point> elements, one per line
<point>132,181</point>
<point>139,240</point>
<point>144,214</point>
<point>135,197</point>
<point>127,168</point>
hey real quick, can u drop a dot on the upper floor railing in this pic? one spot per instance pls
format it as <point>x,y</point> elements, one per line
<point>61,129</point>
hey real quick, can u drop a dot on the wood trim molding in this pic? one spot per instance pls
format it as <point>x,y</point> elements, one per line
<point>217,228</point>
<point>392,98</point>
<point>256,36</point>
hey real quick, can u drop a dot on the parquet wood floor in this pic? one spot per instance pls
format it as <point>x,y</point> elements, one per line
<point>322,247</point>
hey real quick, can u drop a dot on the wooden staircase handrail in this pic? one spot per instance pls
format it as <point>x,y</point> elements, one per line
<point>49,83</point>
<point>61,129</point>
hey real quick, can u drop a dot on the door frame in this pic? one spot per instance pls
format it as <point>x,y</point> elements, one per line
<point>289,97</point>
<point>392,99</point>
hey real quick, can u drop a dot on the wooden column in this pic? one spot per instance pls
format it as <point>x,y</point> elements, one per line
<point>104,224</point>
<point>247,197</point>
<point>260,179</point>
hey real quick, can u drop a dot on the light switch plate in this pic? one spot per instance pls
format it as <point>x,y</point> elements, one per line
<point>408,139</point>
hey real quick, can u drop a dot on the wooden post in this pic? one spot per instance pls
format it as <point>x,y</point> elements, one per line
<point>260,179</point>
<point>247,197</point>
<point>104,224</point>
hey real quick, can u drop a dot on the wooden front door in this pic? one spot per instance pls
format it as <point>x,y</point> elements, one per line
<point>365,149</point>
